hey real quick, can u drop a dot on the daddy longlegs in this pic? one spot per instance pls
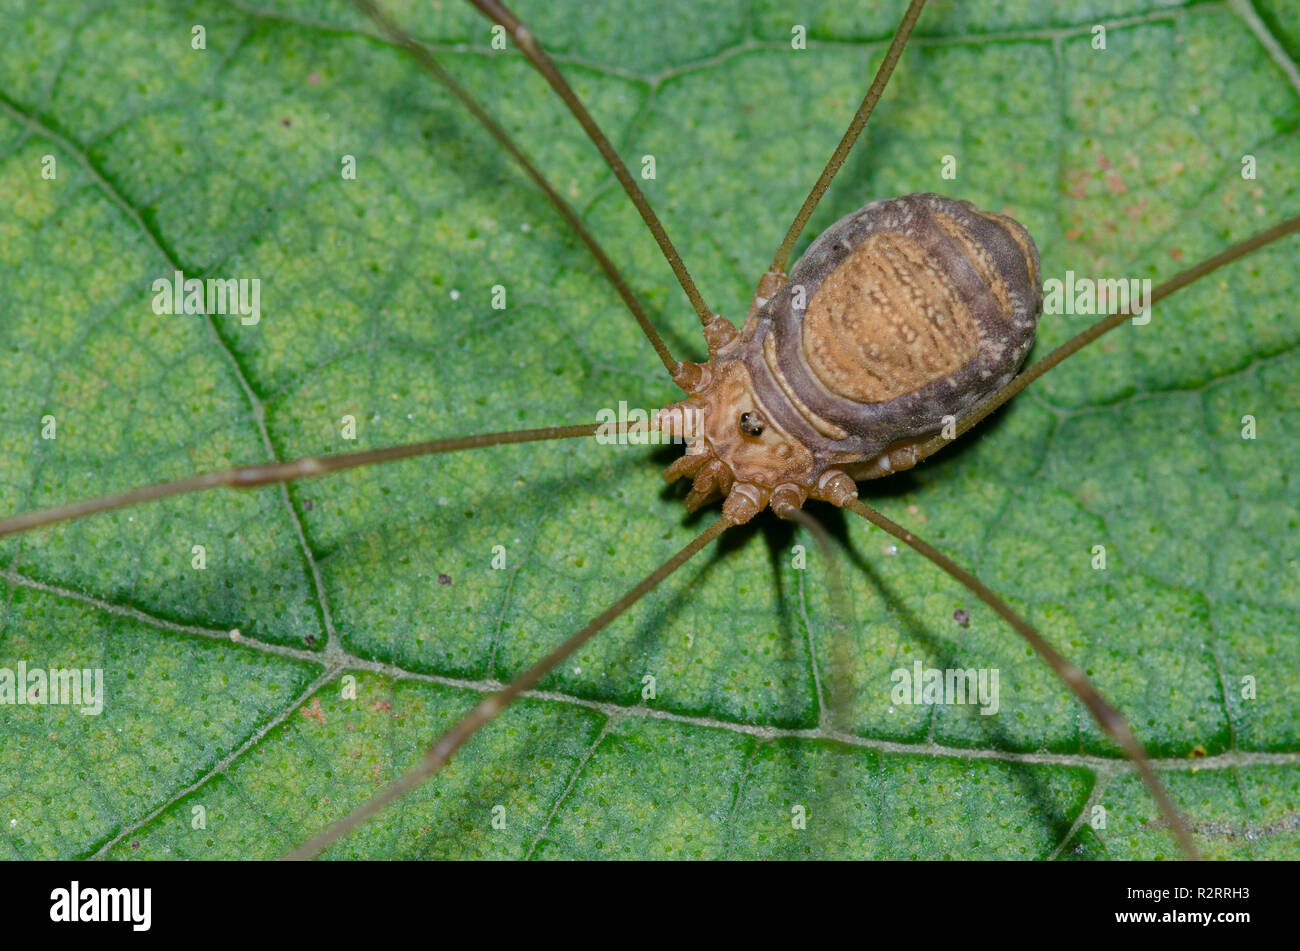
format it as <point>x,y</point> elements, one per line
<point>756,772</point>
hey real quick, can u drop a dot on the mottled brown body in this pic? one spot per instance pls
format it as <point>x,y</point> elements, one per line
<point>901,314</point>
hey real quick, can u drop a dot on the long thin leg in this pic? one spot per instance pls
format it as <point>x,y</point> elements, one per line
<point>497,13</point>
<point>918,451</point>
<point>309,467</point>
<point>1110,719</point>
<point>488,708</point>
<point>426,61</point>
<point>901,35</point>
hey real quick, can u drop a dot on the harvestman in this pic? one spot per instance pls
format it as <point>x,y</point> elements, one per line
<point>715,470</point>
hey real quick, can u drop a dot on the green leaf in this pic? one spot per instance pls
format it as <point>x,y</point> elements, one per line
<point>376,304</point>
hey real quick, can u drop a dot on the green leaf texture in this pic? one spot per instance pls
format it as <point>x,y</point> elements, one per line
<point>368,611</point>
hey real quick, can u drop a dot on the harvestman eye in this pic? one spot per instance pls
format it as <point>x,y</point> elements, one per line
<point>751,424</point>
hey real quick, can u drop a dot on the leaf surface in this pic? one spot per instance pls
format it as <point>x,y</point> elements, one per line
<point>376,304</point>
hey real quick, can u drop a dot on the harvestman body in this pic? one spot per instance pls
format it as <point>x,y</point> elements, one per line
<point>905,312</point>
<point>908,314</point>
